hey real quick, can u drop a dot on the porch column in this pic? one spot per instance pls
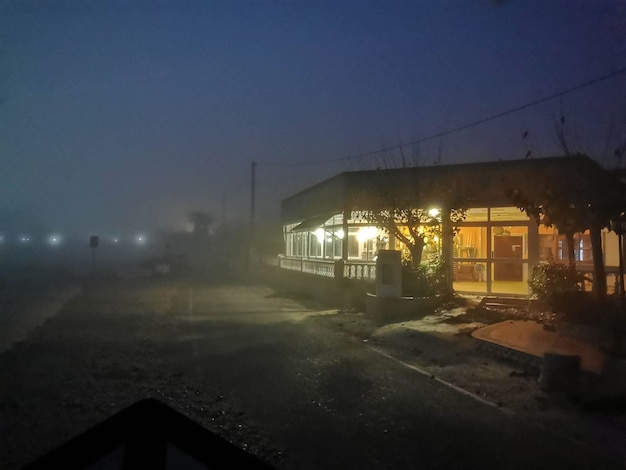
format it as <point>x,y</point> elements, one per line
<point>447,246</point>
<point>533,247</point>
<point>344,242</point>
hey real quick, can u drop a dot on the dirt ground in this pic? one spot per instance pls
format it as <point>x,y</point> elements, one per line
<point>95,357</point>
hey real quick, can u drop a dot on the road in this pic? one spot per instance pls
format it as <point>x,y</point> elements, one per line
<point>266,372</point>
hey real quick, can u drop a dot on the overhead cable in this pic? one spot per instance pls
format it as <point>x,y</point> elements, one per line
<point>462,127</point>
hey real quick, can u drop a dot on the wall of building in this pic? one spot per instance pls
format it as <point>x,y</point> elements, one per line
<point>325,290</point>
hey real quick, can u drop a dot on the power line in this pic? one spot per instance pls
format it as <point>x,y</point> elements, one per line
<point>462,127</point>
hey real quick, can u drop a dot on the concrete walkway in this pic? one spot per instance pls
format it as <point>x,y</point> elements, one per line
<point>532,338</point>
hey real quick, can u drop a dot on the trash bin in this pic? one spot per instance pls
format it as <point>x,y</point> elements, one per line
<point>560,373</point>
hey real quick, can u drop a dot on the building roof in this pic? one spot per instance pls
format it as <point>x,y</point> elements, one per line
<point>465,185</point>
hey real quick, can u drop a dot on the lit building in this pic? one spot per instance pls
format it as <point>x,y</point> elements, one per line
<point>492,248</point>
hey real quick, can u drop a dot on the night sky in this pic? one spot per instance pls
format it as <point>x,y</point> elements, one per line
<point>121,116</point>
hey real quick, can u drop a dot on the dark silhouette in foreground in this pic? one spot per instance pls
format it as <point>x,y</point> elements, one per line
<point>148,434</point>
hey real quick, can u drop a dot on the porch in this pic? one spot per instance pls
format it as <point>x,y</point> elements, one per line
<point>366,271</point>
<point>353,269</point>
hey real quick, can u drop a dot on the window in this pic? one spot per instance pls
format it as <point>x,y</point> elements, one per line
<point>582,242</point>
<point>332,243</point>
<point>315,243</point>
<point>476,215</point>
<point>295,244</point>
<point>471,242</point>
<point>582,248</point>
<point>497,214</point>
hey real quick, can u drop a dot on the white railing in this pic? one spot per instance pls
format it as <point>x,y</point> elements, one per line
<point>360,270</point>
<point>294,264</point>
<point>319,267</point>
<point>353,269</point>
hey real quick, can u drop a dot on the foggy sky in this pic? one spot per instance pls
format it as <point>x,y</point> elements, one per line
<point>118,116</point>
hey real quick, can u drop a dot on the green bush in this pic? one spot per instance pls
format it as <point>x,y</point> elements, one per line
<point>427,280</point>
<point>415,283</point>
<point>559,285</point>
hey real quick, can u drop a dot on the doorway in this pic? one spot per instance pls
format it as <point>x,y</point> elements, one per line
<point>508,247</point>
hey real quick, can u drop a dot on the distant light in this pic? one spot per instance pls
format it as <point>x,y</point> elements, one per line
<point>54,239</point>
<point>140,239</point>
<point>24,239</point>
<point>116,240</point>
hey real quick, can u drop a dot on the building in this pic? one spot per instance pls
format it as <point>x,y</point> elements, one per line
<point>493,248</point>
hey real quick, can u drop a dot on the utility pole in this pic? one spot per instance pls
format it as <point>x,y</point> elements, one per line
<point>223,210</point>
<point>252,216</point>
<point>93,244</point>
<point>252,196</point>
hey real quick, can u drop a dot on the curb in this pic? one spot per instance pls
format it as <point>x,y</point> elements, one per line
<point>527,361</point>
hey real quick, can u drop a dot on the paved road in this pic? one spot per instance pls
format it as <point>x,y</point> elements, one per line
<point>331,402</point>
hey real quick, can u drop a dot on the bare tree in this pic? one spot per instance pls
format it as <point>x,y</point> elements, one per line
<point>406,212</point>
<point>410,226</point>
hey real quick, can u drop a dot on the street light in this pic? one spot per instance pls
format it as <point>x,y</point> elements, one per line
<point>54,239</point>
<point>618,225</point>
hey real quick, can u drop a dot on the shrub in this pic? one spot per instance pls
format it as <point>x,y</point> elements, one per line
<point>427,280</point>
<point>559,285</point>
<point>415,283</point>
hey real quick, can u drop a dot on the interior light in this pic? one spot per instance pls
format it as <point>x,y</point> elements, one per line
<point>434,212</point>
<point>319,233</point>
<point>339,234</point>
<point>367,233</point>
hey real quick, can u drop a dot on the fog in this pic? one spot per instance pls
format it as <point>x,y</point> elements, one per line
<point>118,119</point>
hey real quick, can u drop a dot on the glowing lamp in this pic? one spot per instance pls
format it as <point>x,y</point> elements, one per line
<point>434,212</point>
<point>367,233</point>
